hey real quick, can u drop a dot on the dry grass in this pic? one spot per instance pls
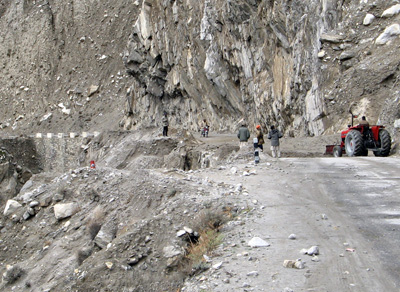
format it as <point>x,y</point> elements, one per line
<point>211,220</point>
<point>209,238</point>
<point>208,241</point>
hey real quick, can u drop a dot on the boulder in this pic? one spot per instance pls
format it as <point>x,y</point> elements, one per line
<point>368,19</point>
<point>12,207</point>
<point>395,9</point>
<point>388,34</point>
<point>65,210</point>
<point>106,234</point>
<point>331,38</point>
<point>172,251</point>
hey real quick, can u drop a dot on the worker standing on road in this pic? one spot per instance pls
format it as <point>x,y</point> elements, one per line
<point>260,137</point>
<point>165,124</point>
<point>243,135</point>
<point>364,122</point>
<point>205,129</point>
<point>274,135</point>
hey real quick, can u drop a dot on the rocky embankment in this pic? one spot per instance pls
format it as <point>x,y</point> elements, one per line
<point>126,226</point>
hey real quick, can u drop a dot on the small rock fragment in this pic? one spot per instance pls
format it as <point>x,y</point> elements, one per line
<point>314,250</point>
<point>258,242</point>
<point>109,265</point>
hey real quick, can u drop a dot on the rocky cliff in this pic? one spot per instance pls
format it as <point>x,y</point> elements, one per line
<point>72,65</point>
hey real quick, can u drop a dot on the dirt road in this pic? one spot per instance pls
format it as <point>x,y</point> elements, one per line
<point>348,207</point>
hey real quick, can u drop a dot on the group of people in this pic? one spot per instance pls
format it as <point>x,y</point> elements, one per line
<point>244,134</point>
<point>274,135</point>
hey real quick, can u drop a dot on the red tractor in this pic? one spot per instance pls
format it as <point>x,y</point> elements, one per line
<point>357,140</point>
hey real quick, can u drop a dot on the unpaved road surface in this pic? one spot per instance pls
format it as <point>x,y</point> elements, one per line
<point>348,207</point>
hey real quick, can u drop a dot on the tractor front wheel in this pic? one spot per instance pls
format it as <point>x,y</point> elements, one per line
<point>337,151</point>
<point>354,143</point>
<point>386,143</point>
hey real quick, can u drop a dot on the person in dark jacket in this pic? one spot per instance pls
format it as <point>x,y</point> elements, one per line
<point>243,135</point>
<point>165,124</point>
<point>274,135</point>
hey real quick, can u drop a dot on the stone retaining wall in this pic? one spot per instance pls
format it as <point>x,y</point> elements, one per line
<point>48,151</point>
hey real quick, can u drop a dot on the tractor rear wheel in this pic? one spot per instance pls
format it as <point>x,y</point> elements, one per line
<point>386,143</point>
<point>354,143</point>
<point>337,151</point>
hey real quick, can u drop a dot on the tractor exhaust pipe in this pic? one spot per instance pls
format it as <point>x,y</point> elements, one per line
<point>352,115</point>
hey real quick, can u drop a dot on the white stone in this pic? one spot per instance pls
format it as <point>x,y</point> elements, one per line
<point>315,258</point>
<point>368,19</point>
<point>33,204</point>
<point>217,266</point>
<point>299,264</point>
<point>207,258</point>
<point>233,170</point>
<point>395,9</point>
<point>188,230</point>
<point>180,233</point>
<point>104,236</point>
<point>292,236</point>
<point>46,117</point>
<point>252,274</point>
<point>321,54</point>
<point>397,123</point>
<point>11,207</point>
<point>66,111</point>
<point>388,34</point>
<point>171,251</point>
<point>109,265</point>
<point>64,210</point>
<point>26,216</point>
<point>92,90</point>
<point>304,251</point>
<point>313,250</point>
<point>258,242</point>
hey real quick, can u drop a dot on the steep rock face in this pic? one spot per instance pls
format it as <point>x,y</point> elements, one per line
<point>80,65</point>
<point>229,61</point>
